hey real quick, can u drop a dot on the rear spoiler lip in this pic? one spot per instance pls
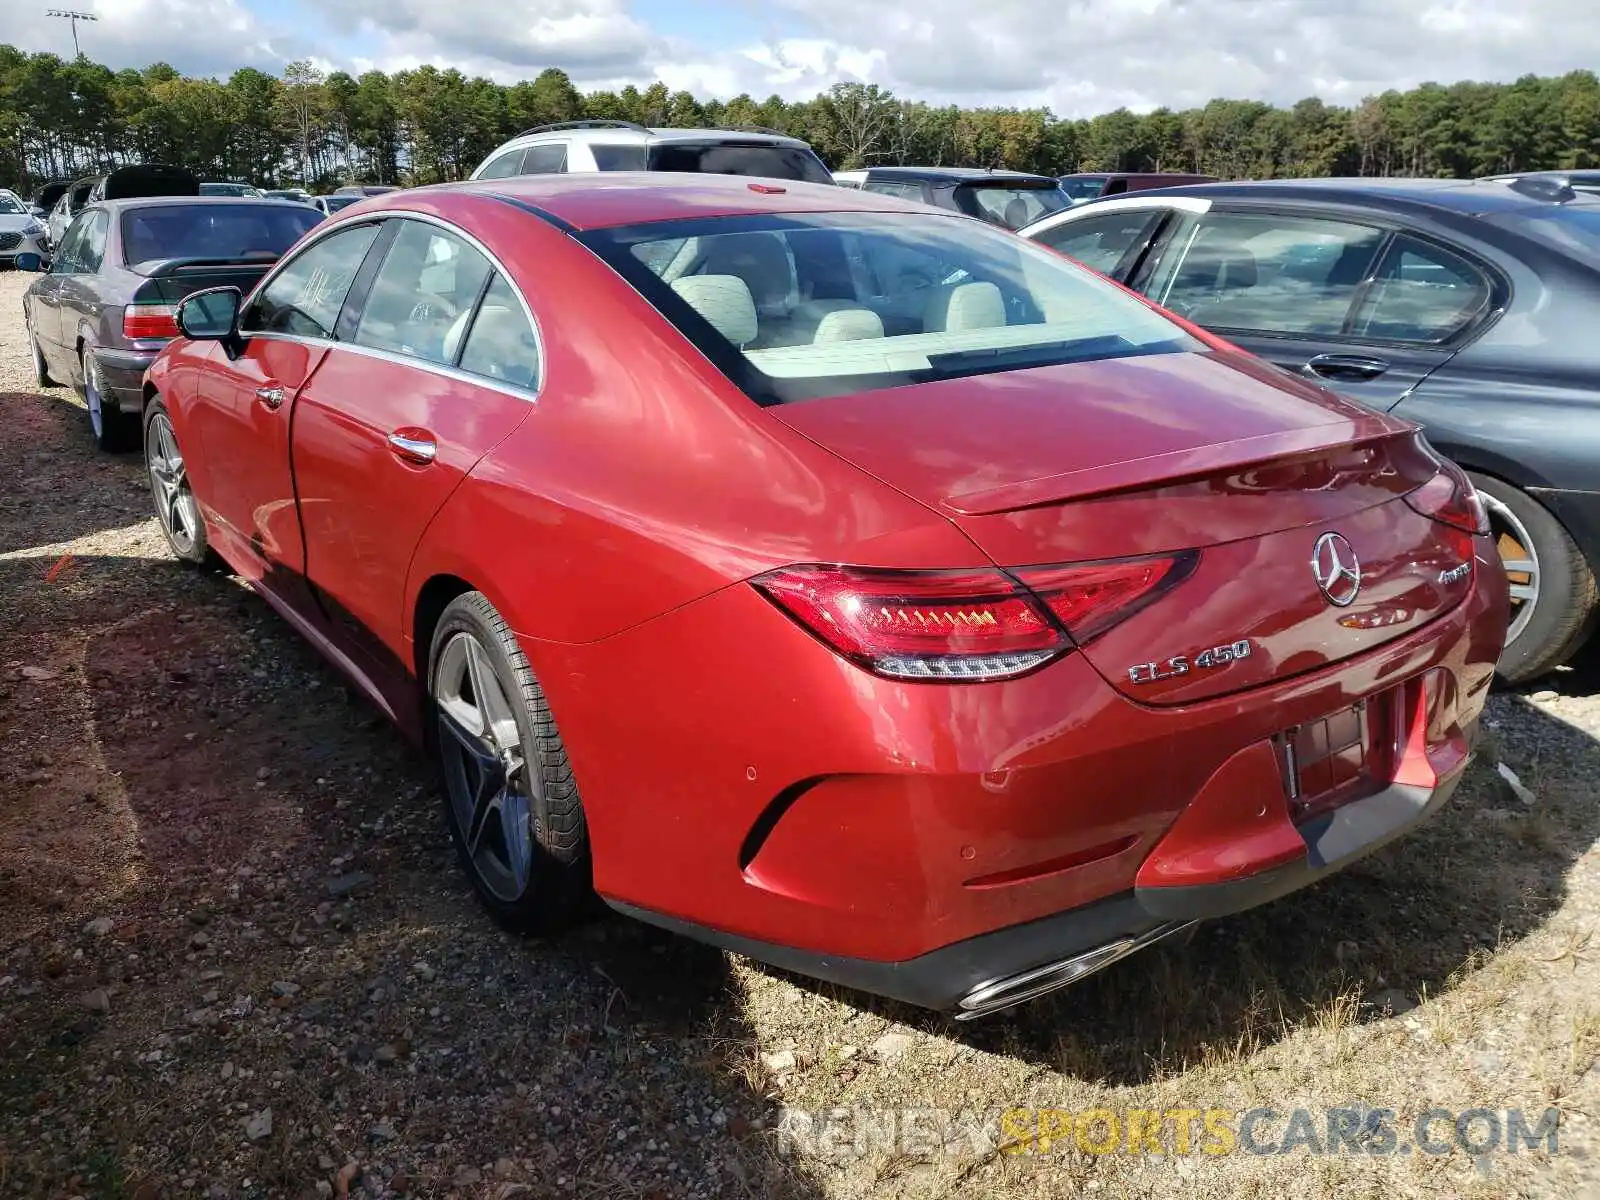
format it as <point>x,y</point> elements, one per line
<point>1174,466</point>
<point>164,268</point>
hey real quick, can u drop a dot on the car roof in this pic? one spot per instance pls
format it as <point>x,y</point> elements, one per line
<point>959,175</point>
<point>604,199</point>
<point>1471,197</point>
<point>626,132</point>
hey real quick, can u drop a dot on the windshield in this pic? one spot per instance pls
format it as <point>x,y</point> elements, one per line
<point>227,231</point>
<point>228,189</point>
<point>1012,207</point>
<point>832,304</point>
<point>1572,228</point>
<point>1083,187</point>
<point>732,158</point>
<point>10,205</point>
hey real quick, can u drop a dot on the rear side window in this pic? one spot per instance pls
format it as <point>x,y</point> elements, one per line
<point>429,279</point>
<point>1100,242</point>
<point>226,231</point>
<point>1011,207</point>
<point>722,158</point>
<point>619,158</point>
<point>503,166</point>
<point>305,297</point>
<point>548,159</point>
<point>1274,274</point>
<point>1422,293</point>
<point>500,343</point>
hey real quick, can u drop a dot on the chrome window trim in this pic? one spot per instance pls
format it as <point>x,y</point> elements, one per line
<point>332,226</point>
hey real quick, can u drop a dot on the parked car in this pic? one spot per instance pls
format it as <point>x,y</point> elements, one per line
<point>328,205</point>
<point>1579,181</point>
<point>360,191</point>
<point>1010,199</point>
<point>298,195</point>
<point>228,188</point>
<point>1462,306</point>
<point>1091,185</point>
<point>67,206</point>
<point>45,196</point>
<point>97,319</point>
<point>20,231</point>
<point>838,436</point>
<point>577,146</point>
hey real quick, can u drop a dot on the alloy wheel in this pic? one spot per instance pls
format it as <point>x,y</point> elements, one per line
<point>491,787</point>
<point>1521,562</point>
<point>169,484</point>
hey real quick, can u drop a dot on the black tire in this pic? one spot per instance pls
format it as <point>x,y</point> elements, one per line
<point>117,432</point>
<point>559,888</point>
<point>41,373</point>
<point>189,544</point>
<point>1564,609</point>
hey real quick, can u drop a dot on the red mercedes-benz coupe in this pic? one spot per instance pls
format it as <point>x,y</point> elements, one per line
<point>843,582</point>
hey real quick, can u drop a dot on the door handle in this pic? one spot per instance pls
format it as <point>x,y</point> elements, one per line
<point>1345,366</point>
<point>271,395</point>
<point>414,446</point>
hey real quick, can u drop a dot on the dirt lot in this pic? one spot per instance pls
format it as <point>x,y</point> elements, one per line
<point>237,959</point>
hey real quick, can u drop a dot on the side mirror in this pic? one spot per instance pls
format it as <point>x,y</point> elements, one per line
<point>29,261</point>
<point>211,314</point>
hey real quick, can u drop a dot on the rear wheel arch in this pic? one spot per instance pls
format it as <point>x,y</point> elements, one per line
<point>433,597</point>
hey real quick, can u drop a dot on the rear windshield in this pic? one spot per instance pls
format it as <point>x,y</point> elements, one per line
<point>224,231</point>
<point>830,304</point>
<point>1012,207</point>
<point>723,158</point>
<point>1083,187</point>
<point>1572,228</point>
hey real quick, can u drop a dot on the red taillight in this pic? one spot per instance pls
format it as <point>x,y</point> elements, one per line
<point>1089,598</point>
<point>964,625</point>
<point>141,321</point>
<point>1450,499</point>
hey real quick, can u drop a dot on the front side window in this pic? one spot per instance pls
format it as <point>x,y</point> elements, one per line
<point>429,279</point>
<point>1011,207</point>
<point>832,304</point>
<point>1100,242</point>
<point>1269,273</point>
<point>500,343</point>
<point>305,297</point>
<point>733,158</point>
<point>548,159</point>
<point>66,257</point>
<point>225,231</point>
<point>503,166</point>
<point>1422,293</point>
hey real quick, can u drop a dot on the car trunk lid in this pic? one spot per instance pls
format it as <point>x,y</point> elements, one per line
<point>1164,454</point>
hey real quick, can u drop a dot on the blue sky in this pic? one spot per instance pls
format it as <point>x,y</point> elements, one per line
<point>1079,57</point>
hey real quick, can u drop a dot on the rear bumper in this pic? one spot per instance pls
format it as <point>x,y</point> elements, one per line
<point>122,373</point>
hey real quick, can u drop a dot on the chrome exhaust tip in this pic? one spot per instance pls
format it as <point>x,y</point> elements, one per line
<point>1009,990</point>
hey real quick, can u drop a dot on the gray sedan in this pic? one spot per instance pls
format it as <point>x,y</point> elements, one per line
<point>107,305</point>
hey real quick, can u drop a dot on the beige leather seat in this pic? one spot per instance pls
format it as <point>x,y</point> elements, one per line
<point>848,325</point>
<point>725,302</point>
<point>965,306</point>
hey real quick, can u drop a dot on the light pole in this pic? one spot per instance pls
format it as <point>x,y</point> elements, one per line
<point>74,17</point>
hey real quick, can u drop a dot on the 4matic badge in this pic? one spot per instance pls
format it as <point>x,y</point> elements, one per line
<point>1182,664</point>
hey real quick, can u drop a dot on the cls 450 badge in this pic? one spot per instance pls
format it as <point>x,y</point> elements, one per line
<point>1181,664</point>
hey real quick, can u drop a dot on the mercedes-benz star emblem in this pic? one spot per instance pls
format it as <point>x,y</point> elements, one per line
<point>1337,569</point>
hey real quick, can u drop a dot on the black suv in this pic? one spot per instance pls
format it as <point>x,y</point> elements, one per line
<point>1469,307</point>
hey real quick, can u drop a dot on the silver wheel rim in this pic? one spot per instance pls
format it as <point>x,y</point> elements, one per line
<point>91,394</point>
<point>169,484</point>
<point>1521,562</point>
<point>486,771</point>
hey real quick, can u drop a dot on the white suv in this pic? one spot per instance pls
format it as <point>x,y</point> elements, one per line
<point>623,146</point>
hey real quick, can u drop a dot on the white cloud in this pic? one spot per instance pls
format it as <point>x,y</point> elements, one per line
<point>1079,56</point>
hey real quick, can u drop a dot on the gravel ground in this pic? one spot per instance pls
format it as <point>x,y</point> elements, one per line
<point>237,958</point>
